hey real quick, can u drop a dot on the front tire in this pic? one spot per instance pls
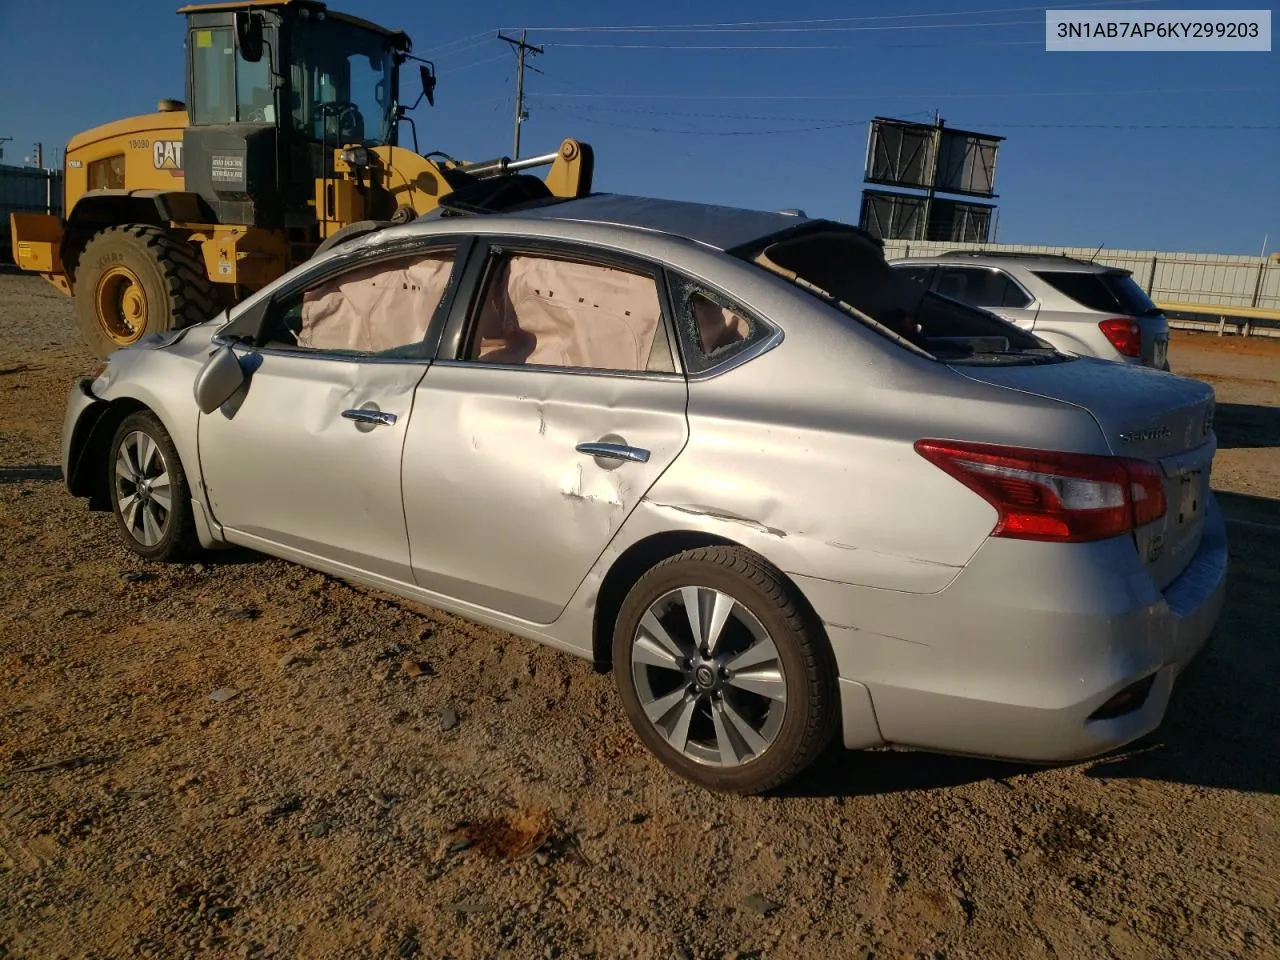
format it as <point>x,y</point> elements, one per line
<point>723,671</point>
<point>149,492</point>
<point>137,279</point>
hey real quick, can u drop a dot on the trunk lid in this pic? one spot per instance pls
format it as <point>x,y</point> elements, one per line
<point>1146,415</point>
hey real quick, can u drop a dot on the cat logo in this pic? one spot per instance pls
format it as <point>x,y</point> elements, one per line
<point>167,154</point>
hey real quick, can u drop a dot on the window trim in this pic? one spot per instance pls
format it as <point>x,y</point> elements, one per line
<point>676,279</point>
<point>462,319</point>
<point>256,316</point>
<point>940,267</point>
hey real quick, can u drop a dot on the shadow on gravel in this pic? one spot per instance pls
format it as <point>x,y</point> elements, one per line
<point>29,473</point>
<point>1243,425</point>
<point>850,773</point>
<point>232,557</point>
<point>1241,510</point>
<point>1223,722</point>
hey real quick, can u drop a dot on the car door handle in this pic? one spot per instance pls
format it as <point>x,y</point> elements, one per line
<point>614,451</point>
<point>376,417</point>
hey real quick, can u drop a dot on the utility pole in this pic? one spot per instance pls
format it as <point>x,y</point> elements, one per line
<point>936,146</point>
<point>521,47</point>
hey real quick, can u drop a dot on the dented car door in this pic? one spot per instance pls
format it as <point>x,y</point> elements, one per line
<point>307,457</point>
<point>293,468</point>
<point>531,444</point>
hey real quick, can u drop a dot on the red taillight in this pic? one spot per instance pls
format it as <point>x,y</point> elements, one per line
<point>1124,334</point>
<point>1043,495</point>
<point>1146,491</point>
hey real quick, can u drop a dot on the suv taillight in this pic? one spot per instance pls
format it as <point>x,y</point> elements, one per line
<point>1124,334</point>
<point>1044,495</point>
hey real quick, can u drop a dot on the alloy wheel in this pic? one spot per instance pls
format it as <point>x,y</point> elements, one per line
<point>708,676</point>
<point>142,488</point>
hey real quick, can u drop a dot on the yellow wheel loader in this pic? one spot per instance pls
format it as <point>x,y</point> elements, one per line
<point>286,144</point>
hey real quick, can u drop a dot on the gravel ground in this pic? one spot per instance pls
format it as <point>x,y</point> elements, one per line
<point>243,758</point>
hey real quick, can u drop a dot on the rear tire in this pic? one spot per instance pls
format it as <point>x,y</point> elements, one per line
<point>750,704</point>
<point>149,492</point>
<point>135,280</point>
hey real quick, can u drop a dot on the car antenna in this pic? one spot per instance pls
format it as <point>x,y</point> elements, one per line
<point>1098,251</point>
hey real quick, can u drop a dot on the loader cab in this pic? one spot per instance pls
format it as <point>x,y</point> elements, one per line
<point>273,89</point>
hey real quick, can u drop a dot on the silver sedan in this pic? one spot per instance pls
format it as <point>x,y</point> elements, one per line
<point>787,494</point>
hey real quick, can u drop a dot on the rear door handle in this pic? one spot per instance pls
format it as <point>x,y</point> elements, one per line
<point>375,417</point>
<point>614,451</point>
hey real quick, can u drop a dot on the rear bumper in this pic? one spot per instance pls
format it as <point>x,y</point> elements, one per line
<point>1155,341</point>
<point>1019,653</point>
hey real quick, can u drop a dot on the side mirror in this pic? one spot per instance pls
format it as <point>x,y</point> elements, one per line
<point>218,380</point>
<point>249,35</point>
<point>428,83</point>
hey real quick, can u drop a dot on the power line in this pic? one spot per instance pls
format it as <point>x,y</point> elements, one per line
<point>650,128</point>
<point>1137,126</point>
<point>437,50</point>
<point>501,56</point>
<point>473,45</point>
<point>573,84</point>
<point>767,25</point>
<point>992,124</point>
<point>907,96</point>
<point>784,46</point>
<point>836,123</point>
<point>883,28</point>
<point>713,116</point>
<point>614,45</point>
<point>875,29</point>
<point>478,103</point>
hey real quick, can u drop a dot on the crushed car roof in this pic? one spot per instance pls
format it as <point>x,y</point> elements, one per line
<point>723,228</point>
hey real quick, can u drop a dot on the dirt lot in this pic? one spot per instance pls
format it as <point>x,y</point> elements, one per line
<point>394,782</point>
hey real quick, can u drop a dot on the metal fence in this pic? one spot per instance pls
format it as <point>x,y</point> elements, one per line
<point>26,190</point>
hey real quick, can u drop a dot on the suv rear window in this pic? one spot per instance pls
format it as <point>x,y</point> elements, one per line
<point>1104,292</point>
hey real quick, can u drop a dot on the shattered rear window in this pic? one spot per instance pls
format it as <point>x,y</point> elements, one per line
<point>847,268</point>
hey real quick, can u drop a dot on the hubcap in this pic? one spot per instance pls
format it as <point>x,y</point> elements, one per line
<point>122,305</point>
<point>708,676</point>
<point>142,488</point>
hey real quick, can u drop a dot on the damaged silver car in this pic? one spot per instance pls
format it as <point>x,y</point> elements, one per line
<point>788,495</point>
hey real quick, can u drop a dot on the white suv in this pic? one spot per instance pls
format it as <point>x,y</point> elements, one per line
<point>1077,306</point>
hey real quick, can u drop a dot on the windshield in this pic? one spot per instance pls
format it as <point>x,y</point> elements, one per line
<point>1110,292</point>
<point>342,77</point>
<point>846,268</point>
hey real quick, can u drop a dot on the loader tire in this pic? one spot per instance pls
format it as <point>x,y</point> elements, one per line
<point>137,279</point>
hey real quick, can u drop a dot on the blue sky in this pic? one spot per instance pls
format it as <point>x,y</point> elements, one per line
<point>700,124</point>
